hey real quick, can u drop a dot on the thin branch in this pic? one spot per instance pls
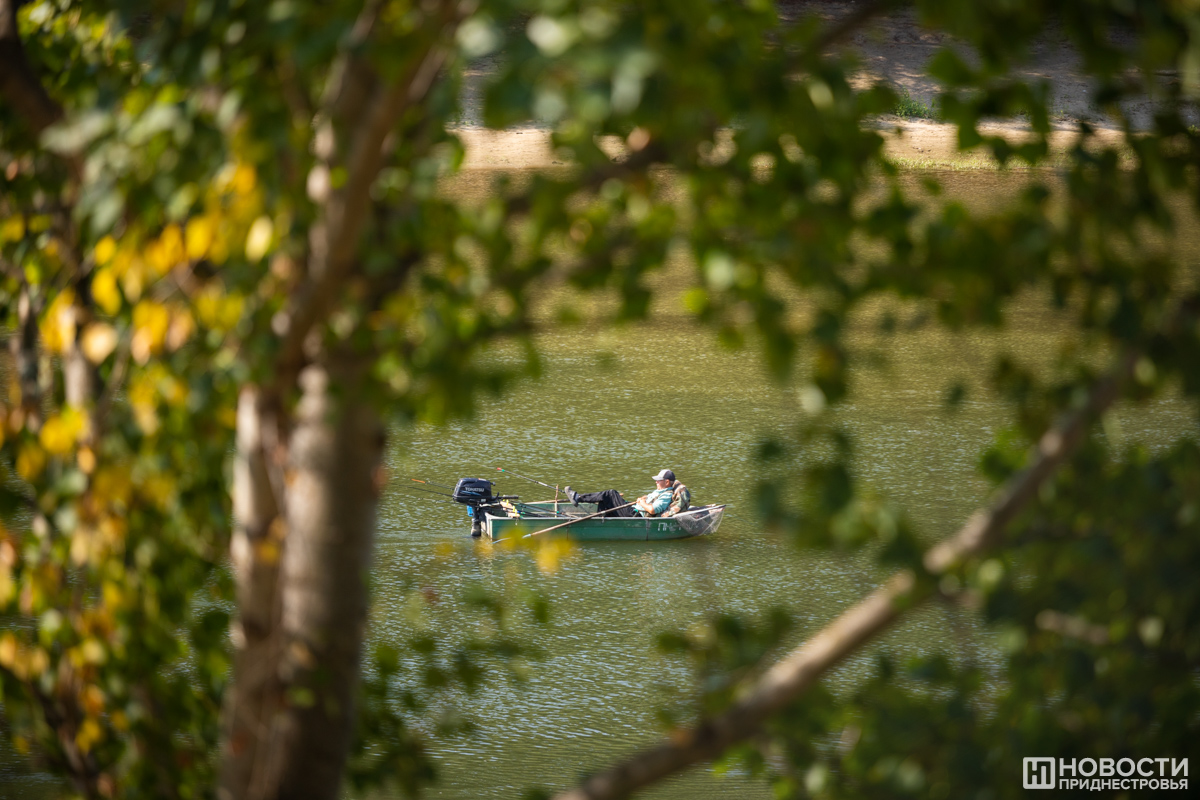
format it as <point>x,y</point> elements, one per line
<point>352,77</point>
<point>796,673</point>
<point>25,348</point>
<point>294,94</point>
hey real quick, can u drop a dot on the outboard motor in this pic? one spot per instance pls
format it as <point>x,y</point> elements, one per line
<point>476,494</point>
<point>473,491</point>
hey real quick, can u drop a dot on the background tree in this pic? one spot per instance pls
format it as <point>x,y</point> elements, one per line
<point>214,206</point>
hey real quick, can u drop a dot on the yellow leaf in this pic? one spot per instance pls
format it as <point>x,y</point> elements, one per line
<point>150,322</point>
<point>158,258</point>
<point>106,248</point>
<point>122,261</point>
<point>93,700</point>
<point>89,733</point>
<point>93,652</point>
<point>174,391</point>
<point>208,305</point>
<point>181,329</point>
<point>114,598</point>
<point>258,240</point>
<point>219,253</point>
<point>104,290</point>
<point>58,324</point>
<point>244,179</point>
<point>83,546</point>
<point>112,486</point>
<point>143,397</point>
<point>38,662</point>
<point>172,244</point>
<point>551,552</point>
<point>231,311</point>
<point>163,253</point>
<point>31,459</point>
<point>8,650</point>
<point>199,237</point>
<point>13,229</point>
<point>61,431</point>
<point>86,460</point>
<point>98,341</point>
<point>218,311</point>
<point>133,279</point>
<point>112,530</point>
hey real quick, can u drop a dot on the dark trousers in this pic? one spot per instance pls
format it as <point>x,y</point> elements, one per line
<point>608,500</point>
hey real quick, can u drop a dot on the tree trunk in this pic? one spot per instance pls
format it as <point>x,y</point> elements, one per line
<point>258,540</point>
<point>332,495</point>
<point>289,716</point>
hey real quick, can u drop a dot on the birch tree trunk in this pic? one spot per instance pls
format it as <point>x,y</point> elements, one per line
<point>332,494</point>
<point>302,586</point>
<point>253,698</point>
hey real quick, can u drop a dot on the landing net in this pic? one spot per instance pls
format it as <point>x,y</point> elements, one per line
<point>700,521</point>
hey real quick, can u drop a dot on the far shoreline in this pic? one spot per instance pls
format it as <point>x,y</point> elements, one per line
<point>908,143</point>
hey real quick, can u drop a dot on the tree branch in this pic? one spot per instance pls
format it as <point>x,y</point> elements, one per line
<point>352,78</point>
<point>335,236</point>
<point>19,85</point>
<point>793,675</point>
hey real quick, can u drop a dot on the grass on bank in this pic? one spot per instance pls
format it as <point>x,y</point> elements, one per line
<point>909,107</point>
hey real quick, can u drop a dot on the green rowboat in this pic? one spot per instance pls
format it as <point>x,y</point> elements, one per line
<point>531,518</point>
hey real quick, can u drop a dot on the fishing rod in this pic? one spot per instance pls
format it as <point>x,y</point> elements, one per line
<point>431,483</point>
<point>531,480</point>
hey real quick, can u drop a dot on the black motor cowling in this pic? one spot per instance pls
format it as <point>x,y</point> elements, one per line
<point>473,491</point>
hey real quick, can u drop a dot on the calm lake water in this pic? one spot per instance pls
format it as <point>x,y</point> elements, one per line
<point>611,409</point>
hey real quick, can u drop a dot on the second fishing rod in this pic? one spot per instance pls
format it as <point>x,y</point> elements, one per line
<point>531,480</point>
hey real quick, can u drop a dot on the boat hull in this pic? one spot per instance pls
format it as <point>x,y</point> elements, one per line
<point>695,522</point>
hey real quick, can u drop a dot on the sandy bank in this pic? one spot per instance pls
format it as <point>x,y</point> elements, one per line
<point>909,143</point>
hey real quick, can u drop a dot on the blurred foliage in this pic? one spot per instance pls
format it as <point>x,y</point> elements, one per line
<point>159,228</point>
<point>1094,619</point>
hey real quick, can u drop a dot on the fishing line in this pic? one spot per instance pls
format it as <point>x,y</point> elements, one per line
<point>428,491</point>
<point>531,480</point>
<point>431,483</point>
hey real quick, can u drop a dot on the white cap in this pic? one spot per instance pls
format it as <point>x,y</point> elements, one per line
<point>665,475</point>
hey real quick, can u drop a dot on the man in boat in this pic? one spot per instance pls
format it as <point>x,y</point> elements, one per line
<point>681,497</point>
<point>657,503</point>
